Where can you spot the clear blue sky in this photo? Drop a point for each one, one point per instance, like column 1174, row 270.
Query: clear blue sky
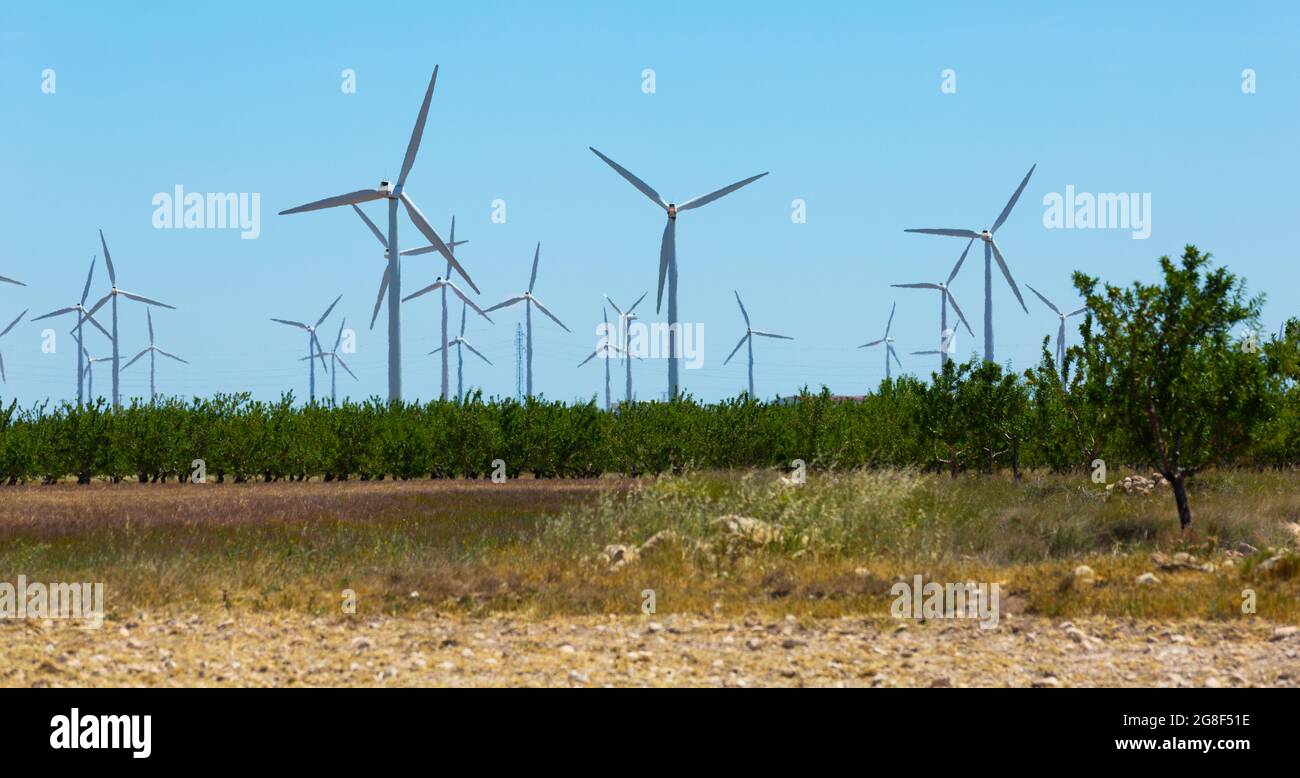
column 840, row 101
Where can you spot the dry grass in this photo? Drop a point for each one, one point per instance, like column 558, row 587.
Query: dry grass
column 530, row 547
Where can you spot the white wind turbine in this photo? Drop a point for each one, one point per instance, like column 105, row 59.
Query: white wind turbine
column 90, row 372
column 113, row 294
column 991, row 252
column 335, row 361
column 624, row 326
column 529, row 301
column 668, row 251
column 888, row 341
column 152, row 351
column 4, row 332
column 945, row 299
column 1060, row 335
column 83, row 315
column 458, row 342
column 451, row 244
column 748, row 337
column 314, row 348
column 394, row 193
column 605, row 349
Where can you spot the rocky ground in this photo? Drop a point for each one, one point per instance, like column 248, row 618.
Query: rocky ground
column 283, row 649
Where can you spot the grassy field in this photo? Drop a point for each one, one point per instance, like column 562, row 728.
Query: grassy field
column 832, row 547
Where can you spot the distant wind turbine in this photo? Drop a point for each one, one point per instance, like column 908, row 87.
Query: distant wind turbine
column 668, row 252
column 945, row 299
column 991, row 252
column 83, row 315
column 748, row 337
column 1060, row 335
column 335, row 361
column 152, row 351
column 624, row 324
column 314, row 348
column 4, row 332
column 888, row 341
column 394, row 193
column 529, row 301
column 605, row 349
column 451, row 244
column 113, row 294
column 459, row 341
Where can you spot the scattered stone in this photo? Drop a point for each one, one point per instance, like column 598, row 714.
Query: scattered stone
column 616, row 556
column 1147, row 579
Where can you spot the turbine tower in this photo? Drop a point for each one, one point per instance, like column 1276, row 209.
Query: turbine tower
column 888, row 341
column 458, row 342
column 1060, row 335
column 604, row 349
column 529, row 301
column 83, row 315
column 394, row 193
column 668, row 252
column 335, row 362
column 748, row 337
column 991, row 252
column 4, row 332
column 314, row 348
column 624, row 323
column 152, row 351
column 945, row 298
column 112, row 295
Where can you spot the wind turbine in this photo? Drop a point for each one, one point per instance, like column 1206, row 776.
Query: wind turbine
column 314, row 348
column 394, row 193
column 668, row 251
column 748, row 337
column 945, row 299
column 451, row 244
column 624, row 322
column 90, row 372
column 113, row 294
column 152, row 351
column 83, row 315
column 1060, row 335
column 606, row 348
column 991, row 252
column 8, row 280
column 4, row 332
column 459, row 341
column 335, row 361
column 888, row 341
column 529, row 301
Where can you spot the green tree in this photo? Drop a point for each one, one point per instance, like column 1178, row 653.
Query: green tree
column 1186, row 392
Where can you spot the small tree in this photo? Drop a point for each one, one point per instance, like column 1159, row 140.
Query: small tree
column 1188, row 394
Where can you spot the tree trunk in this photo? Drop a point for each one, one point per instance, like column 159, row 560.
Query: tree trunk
column 1179, row 483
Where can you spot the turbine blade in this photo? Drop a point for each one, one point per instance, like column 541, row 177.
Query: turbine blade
column 639, row 299
column 320, row 351
column 532, row 280
column 1002, row 263
column 323, row 316
column 463, row 308
column 927, row 352
column 142, row 299
column 1076, row 313
column 890, row 323
column 464, row 299
column 1046, row 301
column 743, row 312
column 373, row 228
column 667, row 256
column 1012, row 202
column 345, row 367
column 59, row 312
column 953, row 233
column 642, row 186
column 772, row 335
column 894, row 354
column 339, row 339
column 506, row 303
column 743, row 338
column 9, row 280
column 98, row 305
column 297, row 324
column 960, row 260
column 108, row 260
column 614, row 305
column 417, row 132
column 917, row 286
column 134, row 358
column 14, row 323
column 872, row 343
column 466, row 344
column 169, row 354
column 89, row 275
column 960, row 315
column 383, row 287
column 351, row 198
column 422, row 224
column 94, row 321
column 724, row 191
column 589, row 357
column 544, row 310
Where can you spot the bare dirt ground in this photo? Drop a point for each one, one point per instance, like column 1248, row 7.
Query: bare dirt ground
column 432, row 649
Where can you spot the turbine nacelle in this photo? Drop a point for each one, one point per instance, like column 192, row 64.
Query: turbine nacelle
column 388, row 190
column 672, row 211
column 986, row 236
